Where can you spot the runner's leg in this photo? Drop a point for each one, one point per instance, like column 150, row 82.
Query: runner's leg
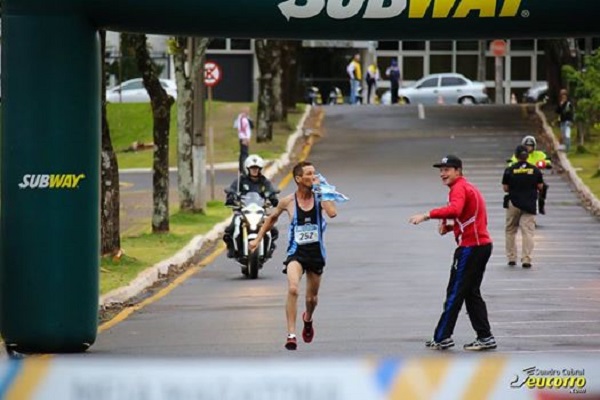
column 294, row 274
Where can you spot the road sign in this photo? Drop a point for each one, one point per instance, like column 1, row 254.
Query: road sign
column 498, row 48
column 212, row 73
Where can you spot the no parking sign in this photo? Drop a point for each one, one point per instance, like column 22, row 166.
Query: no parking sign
column 212, row 73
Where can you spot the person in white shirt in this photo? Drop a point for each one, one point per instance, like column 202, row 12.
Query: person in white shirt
column 243, row 124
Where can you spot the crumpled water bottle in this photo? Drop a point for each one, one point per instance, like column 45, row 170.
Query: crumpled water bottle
column 327, row 192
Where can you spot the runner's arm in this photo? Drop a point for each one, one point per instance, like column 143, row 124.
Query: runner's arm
column 330, row 208
column 273, row 217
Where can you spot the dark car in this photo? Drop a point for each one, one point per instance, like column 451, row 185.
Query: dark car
column 536, row 93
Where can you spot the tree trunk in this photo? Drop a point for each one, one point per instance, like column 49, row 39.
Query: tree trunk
column 264, row 120
column 289, row 62
column 110, row 236
column 161, row 114
column 481, row 61
column 185, row 180
column 199, row 123
column 277, row 72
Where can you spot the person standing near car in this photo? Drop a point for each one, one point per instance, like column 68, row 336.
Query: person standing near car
column 306, row 250
column 522, row 181
column 243, row 124
column 467, row 209
column 354, row 71
column 565, row 113
column 393, row 73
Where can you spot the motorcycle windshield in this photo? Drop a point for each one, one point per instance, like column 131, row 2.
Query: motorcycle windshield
column 253, row 198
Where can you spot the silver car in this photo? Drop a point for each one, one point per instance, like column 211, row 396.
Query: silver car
column 133, row 91
column 446, row 88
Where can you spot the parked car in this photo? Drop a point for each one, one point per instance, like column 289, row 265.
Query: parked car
column 536, row 93
column 133, row 91
column 446, row 88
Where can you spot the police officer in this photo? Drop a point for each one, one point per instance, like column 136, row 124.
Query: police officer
column 252, row 181
column 541, row 161
column 522, row 181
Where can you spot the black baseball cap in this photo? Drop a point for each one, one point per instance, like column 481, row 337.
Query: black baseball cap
column 449, row 161
column 521, row 151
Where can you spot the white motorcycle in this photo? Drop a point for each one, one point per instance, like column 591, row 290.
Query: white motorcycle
column 251, row 210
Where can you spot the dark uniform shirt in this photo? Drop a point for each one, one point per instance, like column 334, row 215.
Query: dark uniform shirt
column 523, row 179
column 262, row 185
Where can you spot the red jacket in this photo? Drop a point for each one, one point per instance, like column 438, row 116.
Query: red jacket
column 466, row 206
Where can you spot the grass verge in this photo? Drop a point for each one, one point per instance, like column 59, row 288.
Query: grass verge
column 145, row 249
column 132, row 122
column 585, row 160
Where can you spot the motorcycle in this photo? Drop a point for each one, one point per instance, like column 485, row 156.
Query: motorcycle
column 251, row 209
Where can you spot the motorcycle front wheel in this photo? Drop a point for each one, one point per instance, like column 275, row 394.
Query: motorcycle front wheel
column 253, row 265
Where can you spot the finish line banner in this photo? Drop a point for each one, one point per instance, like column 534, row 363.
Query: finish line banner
column 333, row 19
column 477, row 378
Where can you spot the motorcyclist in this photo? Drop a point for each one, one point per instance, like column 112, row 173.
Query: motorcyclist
column 540, row 160
column 251, row 181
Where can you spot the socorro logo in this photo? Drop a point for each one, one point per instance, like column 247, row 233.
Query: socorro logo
column 417, row 9
column 569, row 379
column 51, row 181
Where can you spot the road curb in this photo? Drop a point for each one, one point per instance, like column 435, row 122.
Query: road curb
column 152, row 274
column 233, row 165
column 589, row 200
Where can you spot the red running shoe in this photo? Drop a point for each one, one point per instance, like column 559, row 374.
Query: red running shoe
column 308, row 333
column 291, row 343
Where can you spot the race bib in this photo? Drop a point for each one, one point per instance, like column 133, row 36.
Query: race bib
column 305, row 234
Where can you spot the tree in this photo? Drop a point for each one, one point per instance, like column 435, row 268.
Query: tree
column 557, row 54
column 161, row 104
column 185, row 95
column 110, row 236
column 268, row 55
column 289, row 81
column 585, row 88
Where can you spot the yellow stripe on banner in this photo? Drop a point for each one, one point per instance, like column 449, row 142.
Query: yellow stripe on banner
column 483, row 381
column 420, row 379
column 34, row 371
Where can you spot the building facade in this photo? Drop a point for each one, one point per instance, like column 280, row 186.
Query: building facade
column 323, row 63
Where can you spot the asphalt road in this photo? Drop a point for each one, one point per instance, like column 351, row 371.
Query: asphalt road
column 385, row 280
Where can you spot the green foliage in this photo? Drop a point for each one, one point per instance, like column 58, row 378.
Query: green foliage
column 585, row 88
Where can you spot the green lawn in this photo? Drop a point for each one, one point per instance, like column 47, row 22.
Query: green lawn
column 146, row 249
column 130, row 123
column 587, row 162
column 588, row 166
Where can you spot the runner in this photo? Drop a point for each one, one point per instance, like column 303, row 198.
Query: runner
column 306, row 250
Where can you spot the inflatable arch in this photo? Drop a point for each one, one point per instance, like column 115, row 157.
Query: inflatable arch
column 51, row 120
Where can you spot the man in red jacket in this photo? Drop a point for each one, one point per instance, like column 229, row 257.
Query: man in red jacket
column 466, row 216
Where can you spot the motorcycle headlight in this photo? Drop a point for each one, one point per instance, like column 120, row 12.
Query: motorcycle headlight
column 253, row 220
